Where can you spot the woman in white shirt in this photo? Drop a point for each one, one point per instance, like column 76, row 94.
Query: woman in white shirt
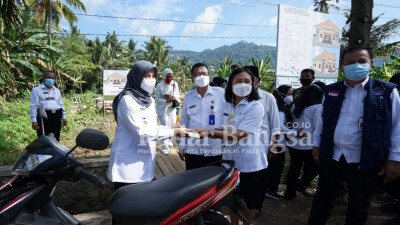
column 300, row 147
column 241, row 117
column 167, row 91
column 133, row 152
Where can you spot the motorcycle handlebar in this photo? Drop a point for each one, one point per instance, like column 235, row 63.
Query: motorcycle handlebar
column 82, row 173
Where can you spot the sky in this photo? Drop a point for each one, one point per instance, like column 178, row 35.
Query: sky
column 204, row 24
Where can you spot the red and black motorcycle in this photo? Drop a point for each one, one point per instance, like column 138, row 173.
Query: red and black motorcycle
column 182, row 198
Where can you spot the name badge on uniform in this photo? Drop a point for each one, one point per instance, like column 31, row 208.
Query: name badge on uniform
column 45, row 93
column 49, row 98
column 360, row 123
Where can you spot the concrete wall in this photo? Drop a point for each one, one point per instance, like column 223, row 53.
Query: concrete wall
column 81, row 196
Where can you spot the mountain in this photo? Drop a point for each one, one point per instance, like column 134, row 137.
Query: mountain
column 240, row 52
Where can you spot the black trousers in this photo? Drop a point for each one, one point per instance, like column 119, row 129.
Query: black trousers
column 361, row 186
column 274, row 171
column 300, row 159
column 198, row 161
column 52, row 124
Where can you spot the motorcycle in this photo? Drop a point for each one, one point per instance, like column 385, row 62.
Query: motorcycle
column 183, row 198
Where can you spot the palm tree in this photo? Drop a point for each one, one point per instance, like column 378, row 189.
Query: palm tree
column 324, row 5
column 264, row 69
column 224, row 69
column 157, row 52
column 49, row 10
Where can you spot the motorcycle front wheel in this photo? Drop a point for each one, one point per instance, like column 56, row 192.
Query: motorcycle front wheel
column 213, row 218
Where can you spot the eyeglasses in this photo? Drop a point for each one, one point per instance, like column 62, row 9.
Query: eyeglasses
column 200, row 73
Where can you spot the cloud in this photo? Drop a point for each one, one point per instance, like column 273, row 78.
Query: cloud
column 273, row 21
column 211, row 14
column 93, row 5
column 153, row 9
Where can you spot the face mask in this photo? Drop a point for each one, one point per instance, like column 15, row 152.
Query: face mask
column 148, row 85
column 202, row 81
column 288, row 99
column 357, row 71
column 305, row 81
column 242, row 89
column 168, row 80
column 49, row 82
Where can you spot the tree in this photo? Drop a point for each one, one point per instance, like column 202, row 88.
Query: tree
column 50, row 10
column 182, row 74
column 157, row 52
column 264, row 69
column 224, row 69
column 324, row 5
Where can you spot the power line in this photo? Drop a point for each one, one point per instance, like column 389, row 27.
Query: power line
column 377, row 4
column 172, row 36
column 266, row 3
column 227, row 3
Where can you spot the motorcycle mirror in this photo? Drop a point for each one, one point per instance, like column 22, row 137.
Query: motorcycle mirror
column 42, row 113
column 92, row 139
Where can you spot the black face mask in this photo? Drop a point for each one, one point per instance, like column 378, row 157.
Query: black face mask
column 305, row 81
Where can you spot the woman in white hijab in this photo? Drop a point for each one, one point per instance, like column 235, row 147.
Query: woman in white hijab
column 167, row 91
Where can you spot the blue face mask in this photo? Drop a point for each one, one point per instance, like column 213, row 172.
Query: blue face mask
column 357, row 71
column 49, row 82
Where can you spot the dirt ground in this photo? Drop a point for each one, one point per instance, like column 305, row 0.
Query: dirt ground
column 296, row 211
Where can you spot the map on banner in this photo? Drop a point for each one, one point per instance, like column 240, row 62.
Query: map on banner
column 307, row 39
column 113, row 83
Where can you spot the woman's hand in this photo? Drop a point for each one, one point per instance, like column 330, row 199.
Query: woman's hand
column 181, row 132
column 177, row 126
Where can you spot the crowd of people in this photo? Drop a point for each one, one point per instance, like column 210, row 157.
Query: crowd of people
column 346, row 133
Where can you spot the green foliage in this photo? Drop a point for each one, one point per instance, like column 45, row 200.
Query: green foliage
column 387, row 70
column 224, row 69
column 17, row 132
column 266, row 73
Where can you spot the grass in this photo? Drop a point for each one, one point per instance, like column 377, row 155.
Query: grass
column 16, row 131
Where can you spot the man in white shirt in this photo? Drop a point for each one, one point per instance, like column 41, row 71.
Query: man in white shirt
column 200, row 109
column 356, row 138
column 50, row 97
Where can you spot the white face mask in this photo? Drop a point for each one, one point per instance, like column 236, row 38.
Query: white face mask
column 242, row 89
column 202, row 81
column 148, row 85
column 288, row 99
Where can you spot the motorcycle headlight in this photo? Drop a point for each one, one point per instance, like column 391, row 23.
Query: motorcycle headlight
column 29, row 162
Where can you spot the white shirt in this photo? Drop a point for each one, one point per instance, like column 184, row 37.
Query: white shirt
column 347, row 139
column 307, row 121
column 270, row 125
column 133, row 152
column 50, row 98
column 162, row 89
column 284, row 129
column 248, row 153
column 195, row 114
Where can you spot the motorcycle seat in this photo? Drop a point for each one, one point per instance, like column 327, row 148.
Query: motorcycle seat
column 164, row 196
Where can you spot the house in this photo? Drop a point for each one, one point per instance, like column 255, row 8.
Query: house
column 116, row 78
column 325, row 62
column 327, row 32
